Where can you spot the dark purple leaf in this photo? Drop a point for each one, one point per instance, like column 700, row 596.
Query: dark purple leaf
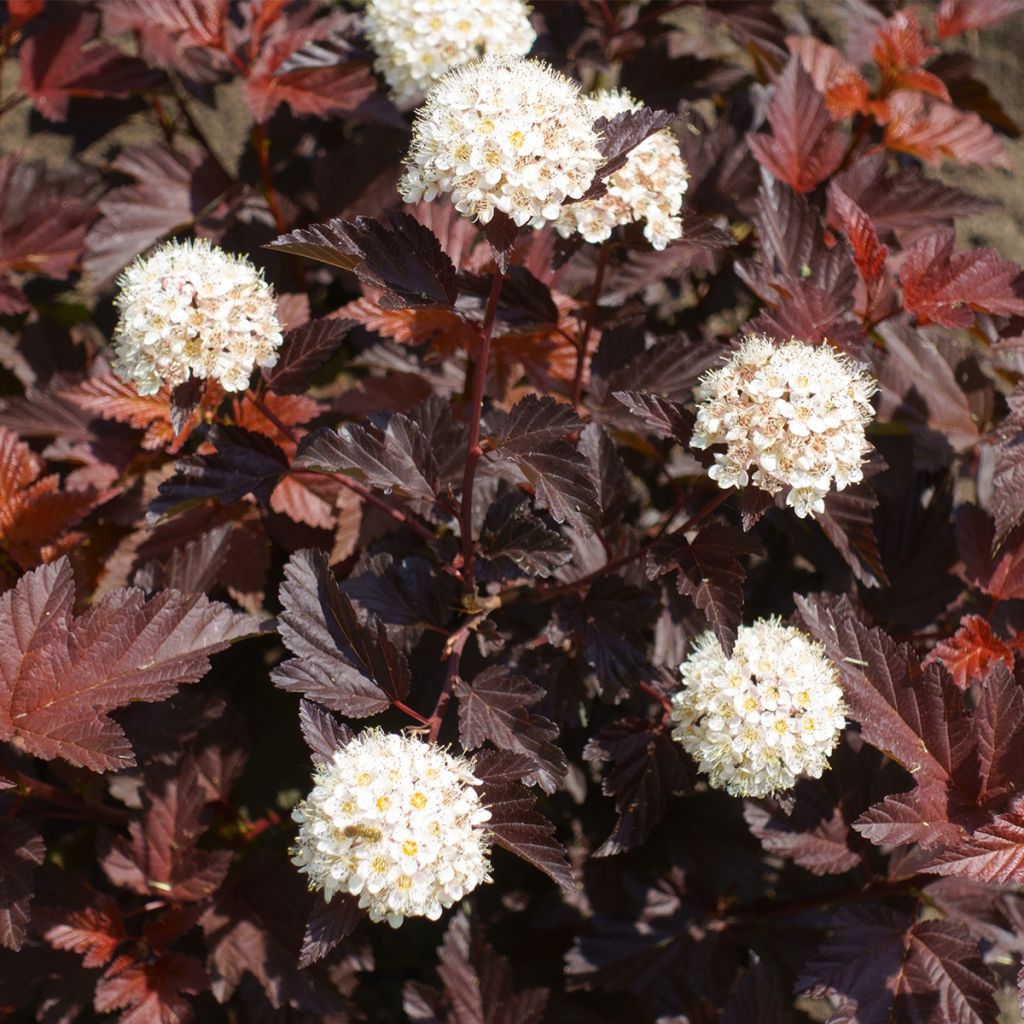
column 323, row 733
column 304, row 350
column 339, row 662
column 328, row 924
column 514, row 824
column 21, row 852
column 495, row 707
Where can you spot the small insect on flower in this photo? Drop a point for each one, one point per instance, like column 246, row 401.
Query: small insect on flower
column 794, row 413
column 189, row 308
column 757, row 720
column 397, row 822
column 504, row 134
column 417, row 41
column 649, row 187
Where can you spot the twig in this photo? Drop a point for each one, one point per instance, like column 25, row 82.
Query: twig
column 262, row 143
column 36, row 789
column 473, row 449
column 588, row 323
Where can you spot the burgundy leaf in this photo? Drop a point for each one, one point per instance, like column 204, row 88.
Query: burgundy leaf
column 339, row 662
column 328, row 924
column 646, row 768
column 495, row 707
column 804, row 147
column 161, row 858
column 57, row 63
column 63, row 675
column 619, row 136
column 515, row 542
column 243, row 463
column 172, row 192
column 21, row 852
column 93, row 931
column 1008, row 474
column 478, row 983
column 304, row 350
column 401, row 256
column 154, row 990
column 323, row 733
column 844, row 88
column 882, row 968
column 514, row 824
column 709, row 573
column 533, row 438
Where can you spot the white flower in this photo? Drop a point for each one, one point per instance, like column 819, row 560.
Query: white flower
column 757, row 720
column 190, row 307
column 648, row 187
column 395, row 821
column 794, row 414
column 417, row 41
column 503, row 134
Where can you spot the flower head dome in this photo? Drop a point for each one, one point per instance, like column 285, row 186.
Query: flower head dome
column 417, row 41
column 397, row 822
column 648, row 187
column 503, row 134
column 191, row 308
column 755, row 721
column 793, row 413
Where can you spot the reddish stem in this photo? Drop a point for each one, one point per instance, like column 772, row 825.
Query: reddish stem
column 473, row 449
column 588, row 323
column 272, row 416
column 262, row 143
column 36, row 789
column 451, row 674
column 395, row 513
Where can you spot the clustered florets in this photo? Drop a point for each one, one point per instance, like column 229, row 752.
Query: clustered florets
column 397, row 822
column 756, row 720
column 503, row 134
column 417, row 41
column 796, row 413
column 191, row 308
column 648, row 187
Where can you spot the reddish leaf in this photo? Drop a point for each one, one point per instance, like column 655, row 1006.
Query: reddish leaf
column 63, row 675
column 42, row 221
column 882, row 968
column 844, row 88
column 946, row 287
column 998, row 570
column 514, row 824
column 993, row 854
column 21, row 852
column 154, row 991
column 173, row 191
column 494, row 706
column 868, row 252
column 970, row 652
column 94, row 932
column 1008, row 475
column 804, row 147
column 478, row 983
column 646, row 768
column 339, row 662
column 900, row 53
column 956, row 16
column 709, row 573
column 161, row 858
column 935, row 131
column 57, row 63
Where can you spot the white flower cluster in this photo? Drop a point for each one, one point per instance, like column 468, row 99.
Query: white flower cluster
column 648, row 187
column 504, row 134
column 794, row 412
column 397, row 822
column 417, row 41
column 192, row 308
column 757, row 720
